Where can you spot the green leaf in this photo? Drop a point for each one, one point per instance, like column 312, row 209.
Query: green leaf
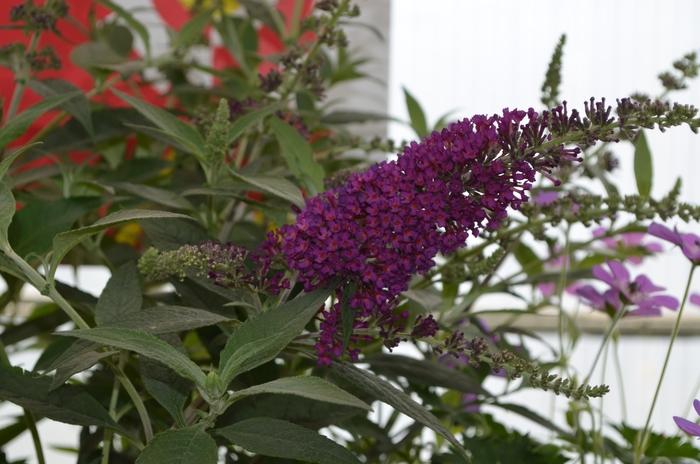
column 243, row 123
column 76, row 364
column 182, row 446
column 19, row 124
column 193, row 30
column 277, row 186
column 121, row 296
column 298, row 155
column 144, row 344
column 133, row 23
column 643, row 165
column 168, row 319
column 260, row 339
column 95, row 55
column 7, row 204
column 34, row 226
column 184, row 133
column 267, row 14
column 383, row 391
column 167, row 388
column 314, row 388
column 78, row 106
column 65, row 241
column 232, row 41
column 282, row 439
column 528, row 260
column 552, row 80
column 172, row 234
column 416, row 115
column 68, row 404
column 7, row 211
column 156, row 195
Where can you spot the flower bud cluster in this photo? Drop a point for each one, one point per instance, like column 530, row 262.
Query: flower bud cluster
column 223, row 263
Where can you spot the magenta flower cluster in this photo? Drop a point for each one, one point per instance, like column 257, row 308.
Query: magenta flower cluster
column 387, row 223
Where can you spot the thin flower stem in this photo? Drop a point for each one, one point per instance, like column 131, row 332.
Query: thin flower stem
column 109, row 434
column 620, row 378
column 561, row 283
column 598, row 437
column 613, row 325
column 138, row 402
column 643, row 437
column 36, row 439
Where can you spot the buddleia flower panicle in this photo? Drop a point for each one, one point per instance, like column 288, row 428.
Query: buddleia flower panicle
column 476, row 351
column 385, row 224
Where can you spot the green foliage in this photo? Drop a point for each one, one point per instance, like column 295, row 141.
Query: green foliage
column 282, row 439
column 181, row 446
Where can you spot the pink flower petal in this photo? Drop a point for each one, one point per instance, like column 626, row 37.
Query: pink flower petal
column 664, row 233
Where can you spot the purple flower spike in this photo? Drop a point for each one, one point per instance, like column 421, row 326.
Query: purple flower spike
column 689, row 243
column 691, row 428
column 386, row 224
column 641, row 294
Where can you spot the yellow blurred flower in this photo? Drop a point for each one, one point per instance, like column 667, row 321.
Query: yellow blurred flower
column 129, row 234
column 229, row 5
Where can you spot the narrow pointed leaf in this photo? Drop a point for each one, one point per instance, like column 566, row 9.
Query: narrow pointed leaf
column 298, row 155
column 314, row 388
column 144, row 344
column 64, row 242
column 281, row 439
column 277, row 186
column 383, row 391
column 68, row 404
column 78, row 106
column 260, row 339
column 168, row 319
column 18, row 124
column 168, row 123
column 416, row 115
column 643, row 165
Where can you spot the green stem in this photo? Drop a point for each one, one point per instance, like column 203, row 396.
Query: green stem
column 108, row 434
column 597, row 437
column 620, row 379
column 138, row 402
column 36, row 439
column 41, row 284
column 22, row 78
column 613, row 325
column 643, row 437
